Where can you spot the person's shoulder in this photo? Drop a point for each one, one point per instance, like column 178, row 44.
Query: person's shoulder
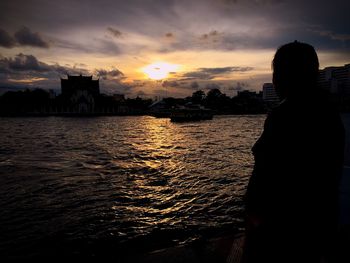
column 279, row 111
column 274, row 116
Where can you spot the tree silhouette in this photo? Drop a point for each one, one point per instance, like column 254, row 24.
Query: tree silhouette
column 198, row 97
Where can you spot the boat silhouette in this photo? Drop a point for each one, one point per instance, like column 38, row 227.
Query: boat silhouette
column 190, row 112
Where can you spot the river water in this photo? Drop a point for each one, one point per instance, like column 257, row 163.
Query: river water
column 86, row 185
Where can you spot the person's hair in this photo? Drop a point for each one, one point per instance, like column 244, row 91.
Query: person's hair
column 295, row 69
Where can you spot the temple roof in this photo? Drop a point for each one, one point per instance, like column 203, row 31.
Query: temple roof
column 79, row 77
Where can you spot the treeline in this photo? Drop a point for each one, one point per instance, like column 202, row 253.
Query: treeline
column 246, row 102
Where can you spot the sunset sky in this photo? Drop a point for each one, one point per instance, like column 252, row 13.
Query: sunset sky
column 155, row 47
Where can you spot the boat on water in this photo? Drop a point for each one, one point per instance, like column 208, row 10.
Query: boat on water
column 190, row 113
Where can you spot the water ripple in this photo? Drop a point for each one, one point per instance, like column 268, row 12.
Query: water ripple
column 134, row 179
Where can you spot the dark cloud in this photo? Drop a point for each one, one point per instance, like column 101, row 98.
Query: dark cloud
column 109, row 74
column 23, row 37
column 68, row 70
column 331, row 35
column 6, row 40
column 26, row 63
column 29, row 65
column 179, row 84
column 171, row 84
column 116, row 73
column 26, row 37
column 211, row 35
column 197, row 75
column 115, row 32
column 169, row 35
column 211, row 73
column 223, row 70
column 218, row 24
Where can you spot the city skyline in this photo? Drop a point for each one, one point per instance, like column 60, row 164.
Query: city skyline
column 148, row 48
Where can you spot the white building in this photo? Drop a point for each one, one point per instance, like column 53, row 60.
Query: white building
column 269, row 93
column 336, row 80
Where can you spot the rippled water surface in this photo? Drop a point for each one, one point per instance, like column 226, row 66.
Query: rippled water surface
column 67, row 181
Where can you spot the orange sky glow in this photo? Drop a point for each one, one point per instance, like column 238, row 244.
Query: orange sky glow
column 141, row 48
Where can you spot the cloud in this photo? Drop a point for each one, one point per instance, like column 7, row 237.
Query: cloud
column 26, row 37
column 169, row 35
column 23, row 37
column 27, row 70
column 197, row 75
column 222, row 25
column 109, row 74
column 114, row 32
column 331, row 35
column 170, row 84
column 21, row 63
column 211, row 35
column 223, row 70
column 6, row 40
column 68, row 70
column 211, row 73
column 29, row 65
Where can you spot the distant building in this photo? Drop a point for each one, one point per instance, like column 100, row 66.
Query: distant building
column 80, row 93
column 336, row 80
column 269, row 93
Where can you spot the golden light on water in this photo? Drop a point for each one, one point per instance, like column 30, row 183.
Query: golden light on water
column 159, row 70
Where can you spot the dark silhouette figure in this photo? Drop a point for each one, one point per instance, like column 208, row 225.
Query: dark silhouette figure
column 292, row 195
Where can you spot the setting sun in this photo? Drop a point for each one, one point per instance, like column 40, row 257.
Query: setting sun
column 159, row 70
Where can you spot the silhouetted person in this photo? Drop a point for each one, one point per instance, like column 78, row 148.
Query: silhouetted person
column 292, row 195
